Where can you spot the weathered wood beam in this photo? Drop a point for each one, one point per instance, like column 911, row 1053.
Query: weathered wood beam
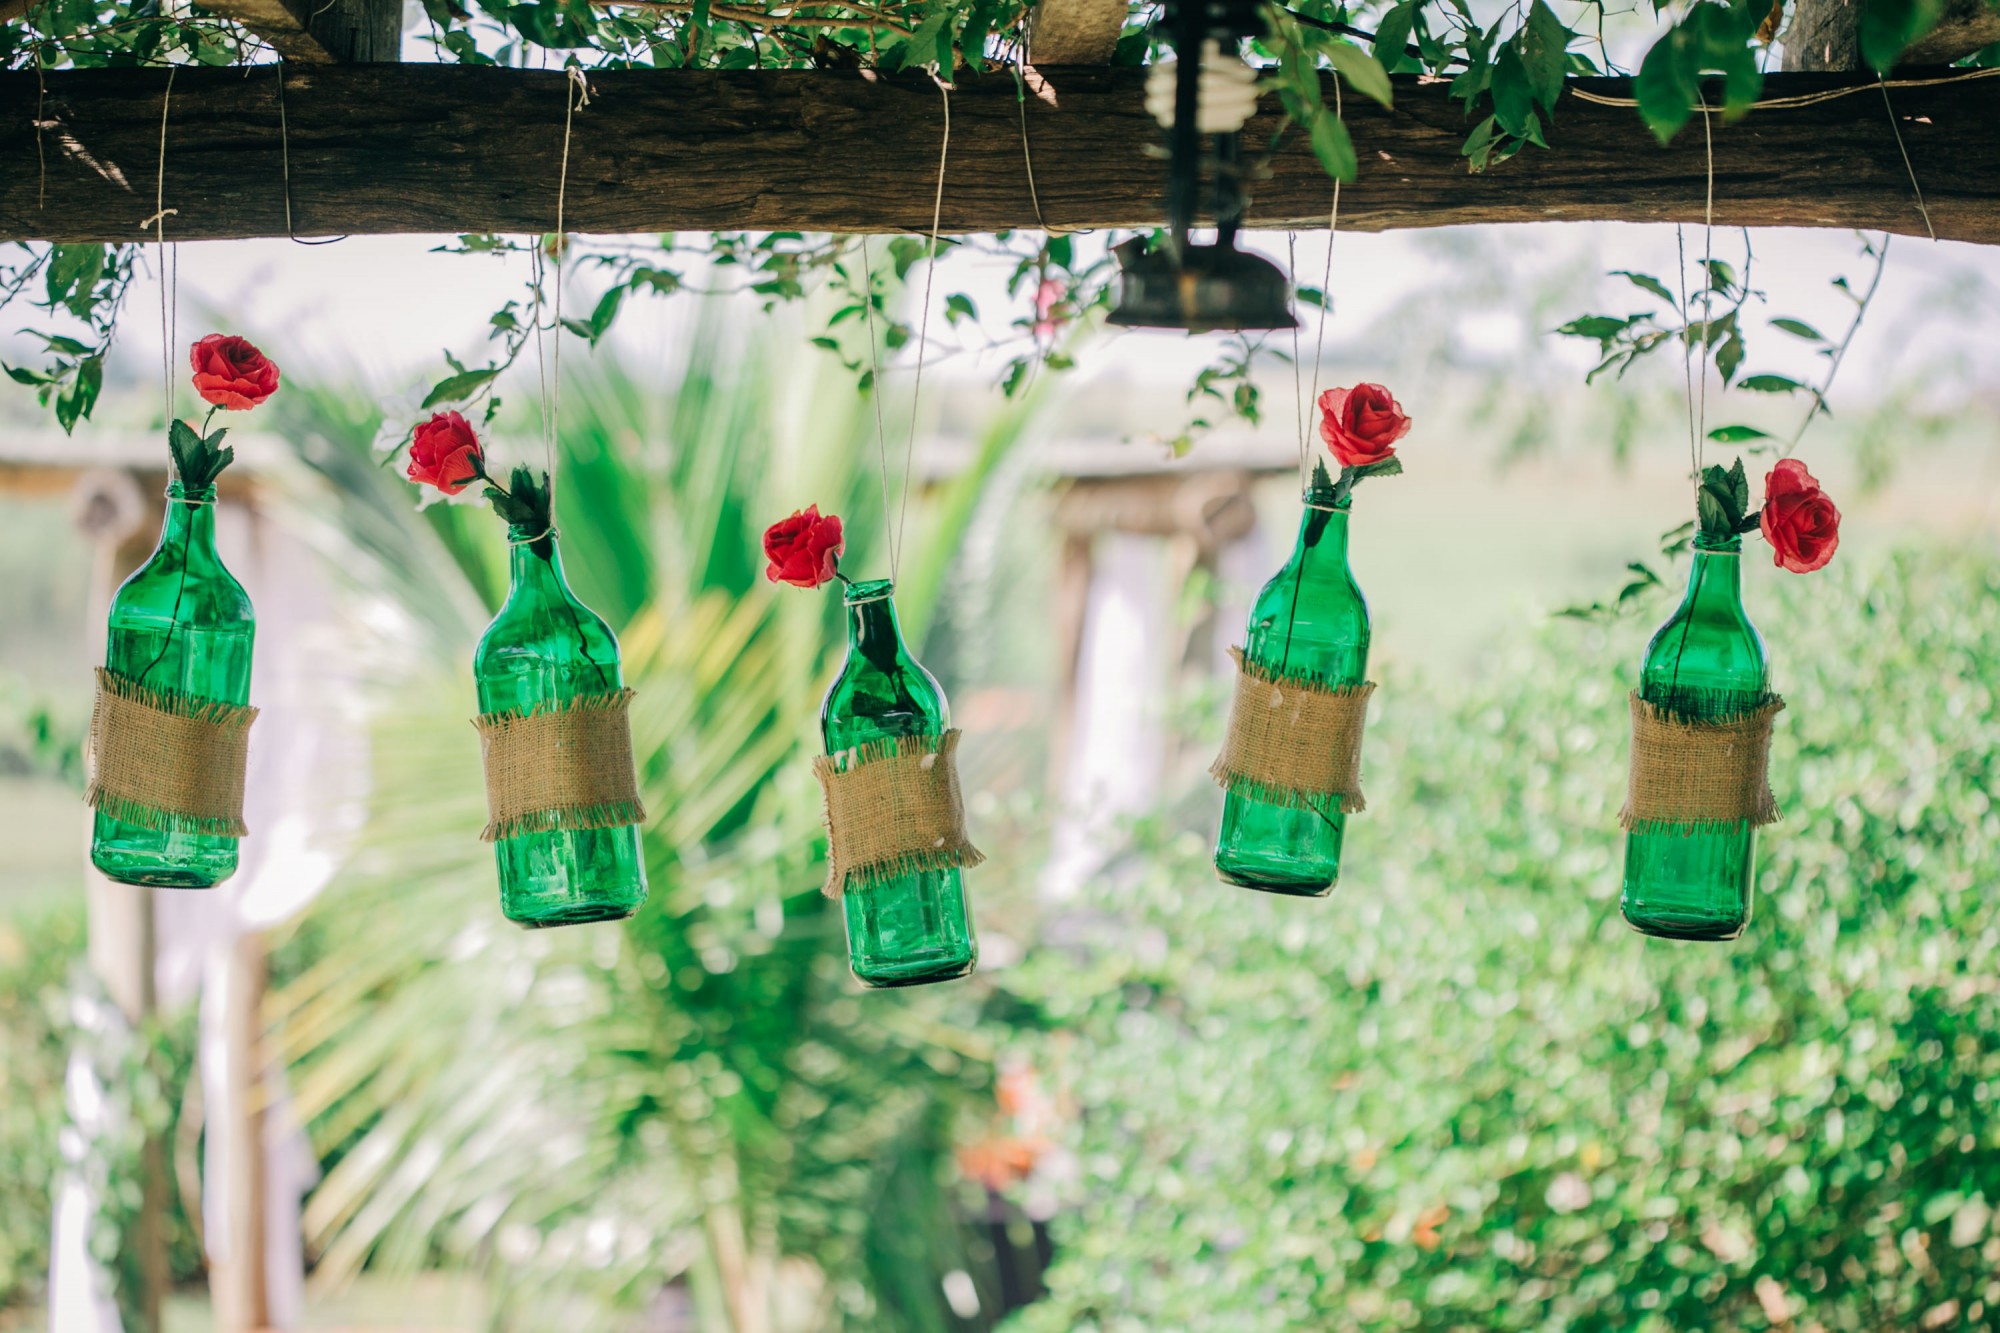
column 1075, row 32
column 409, row 148
column 320, row 32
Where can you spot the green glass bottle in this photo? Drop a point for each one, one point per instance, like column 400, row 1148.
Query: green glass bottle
column 1309, row 621
column 1707, row 661
column 181, row 623
column 545, row 648
column 908, row 929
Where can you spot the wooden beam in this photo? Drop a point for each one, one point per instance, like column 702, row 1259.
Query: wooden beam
column 429, row 149
column 1075, row 32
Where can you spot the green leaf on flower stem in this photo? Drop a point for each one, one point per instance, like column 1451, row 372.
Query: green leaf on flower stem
column 1737, row 434
column 198, row 461
column 1646, row 282
column 1771, row 384
column 1798, row 329
column 456, row 388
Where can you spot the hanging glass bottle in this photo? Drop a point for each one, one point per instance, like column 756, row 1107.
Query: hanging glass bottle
column 1705, row 665
column 912, row 927
column 1309, row 623
column 179, row 638
column 545, row 652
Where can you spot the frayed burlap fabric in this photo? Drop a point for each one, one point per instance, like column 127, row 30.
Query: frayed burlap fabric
column 166, row 760
column 892, row 807
column 1292, row 742
column 1690, row 775
column 568, row 767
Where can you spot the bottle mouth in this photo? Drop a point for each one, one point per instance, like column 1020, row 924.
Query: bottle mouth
column 1731, row 545
column 869, row 590
column 193, row 495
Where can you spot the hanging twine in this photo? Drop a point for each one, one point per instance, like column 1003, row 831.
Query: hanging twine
column 893, row 807
column 1294, row 742
column 1699, row 775
column 165, row 760
column 566, row 767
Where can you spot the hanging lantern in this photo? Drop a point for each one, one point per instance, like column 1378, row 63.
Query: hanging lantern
column 897, row 847
column 1204, row 94
column 1703, row 714
column 562, row 795
column 170, row 730
column 1291, row 761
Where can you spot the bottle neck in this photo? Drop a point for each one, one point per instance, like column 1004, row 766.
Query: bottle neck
column 872, row 631
column 190, row 520
column 535, row 562
column 1715, row 583
column 1322, row 543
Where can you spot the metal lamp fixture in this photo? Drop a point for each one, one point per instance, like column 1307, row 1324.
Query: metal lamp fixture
column 1203, row 93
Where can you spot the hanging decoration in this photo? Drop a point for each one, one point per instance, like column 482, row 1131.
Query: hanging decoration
column 1703, row 714
column 169, row 733
column 1291, row 760
column 897, row 845
column 1207, row 93
column 562, row 794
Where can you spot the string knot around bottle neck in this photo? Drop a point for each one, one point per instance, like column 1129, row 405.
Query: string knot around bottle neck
column 550, row 533
column 871, row 590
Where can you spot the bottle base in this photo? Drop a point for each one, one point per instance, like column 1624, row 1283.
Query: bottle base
column 1272, row 881
column 574, row 914
column 1701, row 929
column 896, row 976
column 152, row 874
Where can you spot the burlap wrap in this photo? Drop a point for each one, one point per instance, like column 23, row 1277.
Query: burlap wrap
column 1292, row 742
column 892, row 807
column 166, row 760
column 560, row 768
column 1692, row 774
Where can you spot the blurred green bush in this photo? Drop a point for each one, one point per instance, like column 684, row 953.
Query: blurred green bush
column 37, row 950
column 1462, row 1095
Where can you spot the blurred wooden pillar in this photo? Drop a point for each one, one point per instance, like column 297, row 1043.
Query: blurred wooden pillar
column 237, row 1261
column 1198, row 513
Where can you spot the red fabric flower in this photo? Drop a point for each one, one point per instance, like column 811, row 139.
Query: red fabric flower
column 1798, row 520
column 230, row 372
column 446, row 454
column 1361, row 425
column 803, row 549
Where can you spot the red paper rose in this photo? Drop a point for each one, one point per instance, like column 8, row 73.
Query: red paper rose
column 803, row 549
column 1798, row 520
column 1361, row 425
column 230, row 372
column 446, row 454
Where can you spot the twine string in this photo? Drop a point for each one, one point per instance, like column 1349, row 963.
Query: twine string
column 923, row 335
column 875, row 387
column 1325, row 296
column 1897, row 130
column 285, row 160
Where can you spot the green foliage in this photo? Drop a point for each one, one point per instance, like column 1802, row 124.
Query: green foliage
column 1889, row 26
column 36, row 954
column 83, row 285
column 1461, row 1094
column 1711, row 38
